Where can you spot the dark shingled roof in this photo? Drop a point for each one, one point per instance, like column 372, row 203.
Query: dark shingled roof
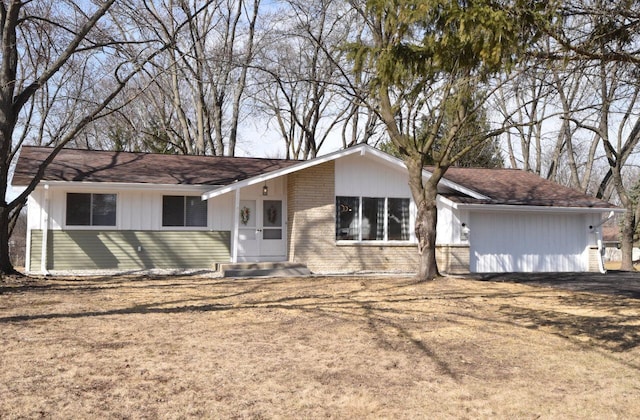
column 502, row 186
column 517, row 187
column 146, row 168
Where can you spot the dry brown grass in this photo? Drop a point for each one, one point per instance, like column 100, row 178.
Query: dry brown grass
column 615, row 265
column 337, row 347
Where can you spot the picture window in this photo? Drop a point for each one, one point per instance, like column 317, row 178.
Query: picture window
column 372, row 219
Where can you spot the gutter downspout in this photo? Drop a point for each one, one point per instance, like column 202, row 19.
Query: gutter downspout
column 600, row 254
column 598, row 234
column 45, row 232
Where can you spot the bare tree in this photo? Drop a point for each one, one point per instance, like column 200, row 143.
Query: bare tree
column 618, row 129
column 540, row 103
column 603, row 37
column 195, row 91
column 61, row 68
column 300, row 86
column 524, row 101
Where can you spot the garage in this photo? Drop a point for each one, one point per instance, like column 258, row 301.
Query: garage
column 528, row 242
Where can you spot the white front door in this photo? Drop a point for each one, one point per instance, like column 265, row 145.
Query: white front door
column 261, row 234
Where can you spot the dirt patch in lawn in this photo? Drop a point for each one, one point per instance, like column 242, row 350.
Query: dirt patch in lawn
column 336, row 347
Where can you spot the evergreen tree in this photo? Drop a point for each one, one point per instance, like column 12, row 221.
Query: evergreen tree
column 433, row 61
column 486, row 154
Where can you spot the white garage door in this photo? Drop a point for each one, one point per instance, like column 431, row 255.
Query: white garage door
column 531, row 242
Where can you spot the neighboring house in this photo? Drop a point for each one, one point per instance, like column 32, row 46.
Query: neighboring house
column 612, row 243
column 348, row 211
column 611, row 236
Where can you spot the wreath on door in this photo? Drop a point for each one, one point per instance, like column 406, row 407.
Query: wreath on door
column 272, row 214
column 245, row 214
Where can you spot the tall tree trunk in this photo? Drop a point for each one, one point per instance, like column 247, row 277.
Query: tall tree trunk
column 242, row 80
column 425, row 194
column 627, row 231
column 6, row 267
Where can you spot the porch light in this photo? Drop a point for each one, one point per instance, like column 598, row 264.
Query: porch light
column 265, row 189
column 464, row 232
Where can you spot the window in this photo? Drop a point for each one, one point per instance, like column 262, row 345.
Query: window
column 347, row 219
column 372, row 219
column 398, row 219
column 272, row 219
column 179, row 210
column 372, row 224
column 84, row 209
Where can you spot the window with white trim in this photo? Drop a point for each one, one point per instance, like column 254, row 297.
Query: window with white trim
column 180, row 210
column 372, row 219
column 87, row 209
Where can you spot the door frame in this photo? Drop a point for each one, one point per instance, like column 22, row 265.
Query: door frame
column 237, row 255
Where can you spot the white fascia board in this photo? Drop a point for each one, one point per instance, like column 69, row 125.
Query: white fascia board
column 464, row 190
column 124, row 186
column 397, row 162
column 446, row 201
column 362, row 149
column 523, row 208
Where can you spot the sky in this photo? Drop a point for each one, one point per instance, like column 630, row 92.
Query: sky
column 259, row 140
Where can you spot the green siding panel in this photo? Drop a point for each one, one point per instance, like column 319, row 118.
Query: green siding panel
column 35, row 250
column 130, row 250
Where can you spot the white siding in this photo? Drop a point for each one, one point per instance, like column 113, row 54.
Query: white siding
column 220, row 212
column 449, row 224
column 57, row 206
column 34, row 209
column 529, row 242
column 450, row 220
column 360, row 176
column 444, row 227
column 138, row 209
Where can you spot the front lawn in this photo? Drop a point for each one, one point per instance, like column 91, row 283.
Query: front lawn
column 336, row 347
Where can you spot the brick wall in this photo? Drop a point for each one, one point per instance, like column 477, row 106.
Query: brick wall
column 453, row 259
column 311, row 229
column 309, row 203
column 593, row 259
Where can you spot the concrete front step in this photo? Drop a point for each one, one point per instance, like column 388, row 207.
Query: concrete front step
column 264, row 269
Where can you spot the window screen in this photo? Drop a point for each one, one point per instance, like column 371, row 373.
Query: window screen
column 196, row 211
column 398, row 222
column 86, row 209
column 179, row 210
column 347, row 223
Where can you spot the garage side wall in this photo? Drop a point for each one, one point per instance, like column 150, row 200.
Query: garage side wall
column 529, row 242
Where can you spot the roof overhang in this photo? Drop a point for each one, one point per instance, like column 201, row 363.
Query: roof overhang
column 123, row 186
column 524, row 208
column 361, row 149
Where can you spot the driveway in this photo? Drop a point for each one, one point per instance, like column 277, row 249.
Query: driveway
column 617, row 283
